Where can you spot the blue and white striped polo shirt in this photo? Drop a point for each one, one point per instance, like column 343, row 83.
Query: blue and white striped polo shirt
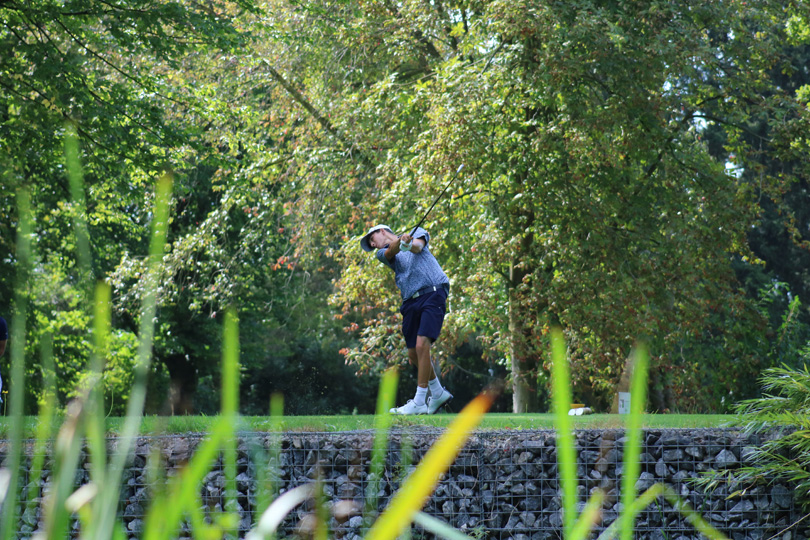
column 414, row 271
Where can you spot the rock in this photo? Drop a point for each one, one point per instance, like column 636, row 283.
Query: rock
column 694, row 451
column 726, row 459
column 346, row 509
column 742, row 506
column 133, row 510
column 466, row 481
column 781, row 496
column 243, row 482
column 528, row 519
column 747, row 454
column 644, row 482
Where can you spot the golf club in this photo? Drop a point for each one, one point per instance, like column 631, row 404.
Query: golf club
column 437, row 199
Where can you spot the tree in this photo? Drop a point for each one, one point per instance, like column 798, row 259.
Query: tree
column 590, row 199
column 102, row 69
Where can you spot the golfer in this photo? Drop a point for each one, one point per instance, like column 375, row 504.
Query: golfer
column 424, row 288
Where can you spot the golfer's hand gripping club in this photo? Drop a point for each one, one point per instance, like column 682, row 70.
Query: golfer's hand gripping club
column 405, row 242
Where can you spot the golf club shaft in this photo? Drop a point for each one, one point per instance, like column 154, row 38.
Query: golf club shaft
column 437, row 199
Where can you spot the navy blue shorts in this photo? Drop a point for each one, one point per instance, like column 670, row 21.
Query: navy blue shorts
column 423, row 316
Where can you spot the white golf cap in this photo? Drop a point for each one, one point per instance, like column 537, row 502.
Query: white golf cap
column 364, row 241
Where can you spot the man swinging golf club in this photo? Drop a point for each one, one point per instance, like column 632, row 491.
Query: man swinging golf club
column 424, row 287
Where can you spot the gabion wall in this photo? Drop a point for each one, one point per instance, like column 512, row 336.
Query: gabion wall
column 502, row 485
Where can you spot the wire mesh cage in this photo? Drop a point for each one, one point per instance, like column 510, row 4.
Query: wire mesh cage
column 503, row 484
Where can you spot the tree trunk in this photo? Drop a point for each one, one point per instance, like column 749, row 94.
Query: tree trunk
column 524, row 364
column 183, row 384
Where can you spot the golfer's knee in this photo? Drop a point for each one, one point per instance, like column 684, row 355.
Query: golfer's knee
column 422, row 344
column 413, row 357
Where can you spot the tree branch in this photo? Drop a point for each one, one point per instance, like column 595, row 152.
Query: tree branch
column 304, row 102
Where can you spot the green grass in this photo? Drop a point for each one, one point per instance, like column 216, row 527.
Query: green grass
column 491, row 422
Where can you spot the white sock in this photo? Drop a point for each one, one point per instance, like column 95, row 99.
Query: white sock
column 421, row 394
column 435, row 387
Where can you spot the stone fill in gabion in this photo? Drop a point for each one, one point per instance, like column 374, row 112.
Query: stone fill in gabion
column 503, row 484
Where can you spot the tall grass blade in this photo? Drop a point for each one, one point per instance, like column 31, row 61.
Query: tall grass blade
column 131, row 427
column 44, row 421
column 79, row 205
column 566, row 445
column 67, row 451
column 166, row 511
column 632, row 448
column 412, row 495
column 104, row 513
column 230, row 406
column 274, row 516
column 405, row 462
column 267, row 477
column 17, row 375
column 321, row 531
column 382, row 425
column 589, row 517
column 650, row 496
column 438, row 527
column 196, row 517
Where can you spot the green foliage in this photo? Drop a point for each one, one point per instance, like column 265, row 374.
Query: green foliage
column 619, row 164
column 780, row 416
column 590, row 198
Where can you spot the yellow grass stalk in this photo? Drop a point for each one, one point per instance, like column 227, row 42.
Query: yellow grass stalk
column 414, row 493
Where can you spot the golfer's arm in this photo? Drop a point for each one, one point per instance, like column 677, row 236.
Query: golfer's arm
column 393, row 248
column 2, row 347
column 391, row 252
column 417, row 246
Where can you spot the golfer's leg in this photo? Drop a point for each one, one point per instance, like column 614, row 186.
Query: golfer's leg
column 413, row 358
column 425, row 371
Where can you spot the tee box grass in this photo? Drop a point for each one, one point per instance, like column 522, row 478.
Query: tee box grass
column 491, row 422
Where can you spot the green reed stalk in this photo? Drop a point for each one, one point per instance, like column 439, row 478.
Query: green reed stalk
column 415, row 491
column 321, row 512
column 230, row 405
column 17, row 378
column 104, row 514
column 650, row 496
column 132, row 423
column 632, row 448
column 566, row 444
column 79, row 207
column 405, row 462
column 589, row 516
column 44, row 422
column 67, row 452
column 182, row 496
column 100, row 521
column 438, row 527
column 166, row 512
column 382, row 426
column 267, row 477
column 268, row 462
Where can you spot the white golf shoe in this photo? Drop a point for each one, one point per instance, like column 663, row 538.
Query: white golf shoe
column 434, row 404
column 410, row 408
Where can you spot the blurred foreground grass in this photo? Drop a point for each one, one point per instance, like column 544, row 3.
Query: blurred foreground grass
column 178, row 499
column 161, row 425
